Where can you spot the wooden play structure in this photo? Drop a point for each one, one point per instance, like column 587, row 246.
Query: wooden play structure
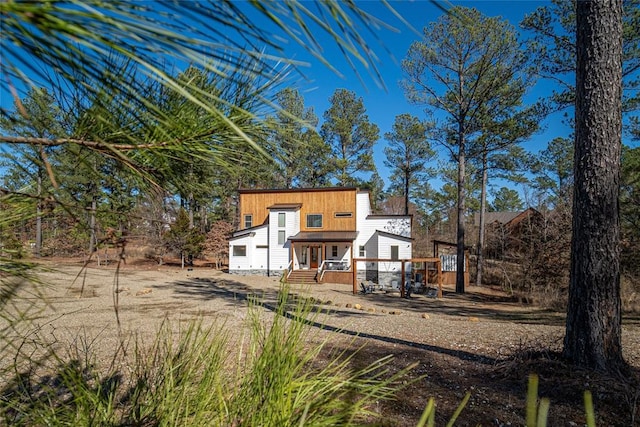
column 425, row 273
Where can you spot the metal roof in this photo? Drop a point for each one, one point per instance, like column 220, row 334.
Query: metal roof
column 324, row 236
column 285, row 206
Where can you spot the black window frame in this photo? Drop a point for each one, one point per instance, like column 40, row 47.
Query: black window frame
column 312, row 216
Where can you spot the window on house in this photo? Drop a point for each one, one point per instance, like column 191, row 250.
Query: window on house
column 394, row 252
column 314, row 220
column 239, row 250
column 343, row 214
column 281, row 219
column 281, row 237
column 361, row 252
column 248, row 221
column 334, row 251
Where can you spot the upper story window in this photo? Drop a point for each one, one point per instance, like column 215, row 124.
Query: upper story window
column 248, row 221
column 343, row 214
column 361, row 253
column 282, row 219
column 314, row 220
column 334, row 251
column 282, row 237
column 394, row 252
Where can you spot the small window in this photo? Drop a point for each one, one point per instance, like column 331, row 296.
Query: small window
column 248, row 221
column 240, row 250
column 334, row 251
column 394, row 252
column 262, row 246
column 361, row 252
column 281, row 237
column 344, row 214
column 314, row 220
column 281, row 219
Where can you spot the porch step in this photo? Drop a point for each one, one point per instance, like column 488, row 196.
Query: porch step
column 302, row 276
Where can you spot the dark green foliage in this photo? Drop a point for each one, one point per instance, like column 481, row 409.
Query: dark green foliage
column 182, row 239
column 552, row 47
column 303, row 158
column 506, row 200
column 408, row 154
column 471, row 68
column 351, row 135
column 630, row 211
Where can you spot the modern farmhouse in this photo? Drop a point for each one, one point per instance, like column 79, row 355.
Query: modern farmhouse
column 317, row 233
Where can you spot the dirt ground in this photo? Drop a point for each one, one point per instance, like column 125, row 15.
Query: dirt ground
column 483, row 341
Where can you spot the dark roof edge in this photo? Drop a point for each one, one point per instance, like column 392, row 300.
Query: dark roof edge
column 386, row 233
column 285, row 206
column 296, row 190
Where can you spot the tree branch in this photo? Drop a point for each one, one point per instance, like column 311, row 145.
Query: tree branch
column 92, row 144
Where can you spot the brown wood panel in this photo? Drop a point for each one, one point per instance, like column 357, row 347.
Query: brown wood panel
column 342, row 277
column 327, row 202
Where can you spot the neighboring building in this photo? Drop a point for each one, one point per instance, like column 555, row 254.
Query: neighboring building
column 509, row 233
column 316, row 233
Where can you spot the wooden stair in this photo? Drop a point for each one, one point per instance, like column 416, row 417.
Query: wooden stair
column 302, row 276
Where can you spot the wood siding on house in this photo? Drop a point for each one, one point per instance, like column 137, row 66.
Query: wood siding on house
column 323, row 201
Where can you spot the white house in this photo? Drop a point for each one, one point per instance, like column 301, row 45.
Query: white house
column 315, row 234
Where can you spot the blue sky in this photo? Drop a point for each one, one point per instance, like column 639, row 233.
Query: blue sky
column 383, row 106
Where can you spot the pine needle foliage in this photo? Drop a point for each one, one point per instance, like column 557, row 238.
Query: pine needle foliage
column 190, row 377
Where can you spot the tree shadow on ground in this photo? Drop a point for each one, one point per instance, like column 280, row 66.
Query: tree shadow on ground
column 236, row 292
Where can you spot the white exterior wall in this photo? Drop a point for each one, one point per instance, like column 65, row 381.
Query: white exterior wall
column 366, row 233
column 384, row 248
column 279, row 254
column 256, row 258
column 344, row 252
column 373, row 244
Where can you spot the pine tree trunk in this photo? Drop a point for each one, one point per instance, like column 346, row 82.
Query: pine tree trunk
column 483, row 208
column 461, row 208
column 38, row 248
column 92, row 226
column 406, row 194
column 593, row 328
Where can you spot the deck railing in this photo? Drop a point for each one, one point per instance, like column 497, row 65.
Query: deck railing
column 289, row 269
column 331, row 265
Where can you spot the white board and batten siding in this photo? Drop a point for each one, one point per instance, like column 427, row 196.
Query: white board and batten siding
column 385, row 242
column 366, row 237
column 255, row 243
column 279, row 253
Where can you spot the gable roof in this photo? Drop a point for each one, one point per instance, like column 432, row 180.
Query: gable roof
column 504, row 218
column 499, row 217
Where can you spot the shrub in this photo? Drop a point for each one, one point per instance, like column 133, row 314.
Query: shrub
column 274, row 380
